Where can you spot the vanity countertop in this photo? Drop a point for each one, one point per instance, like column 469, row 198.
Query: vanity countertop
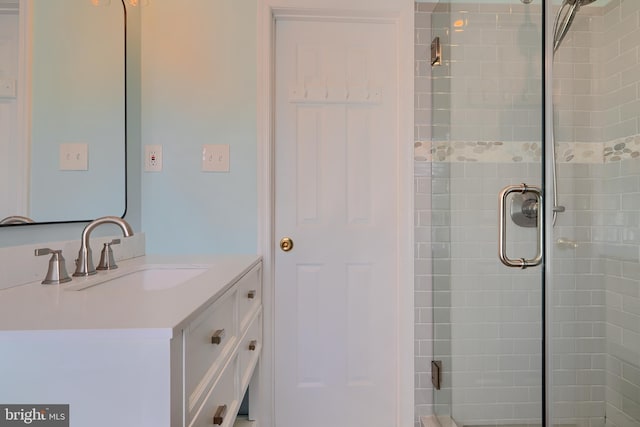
column 131, row 306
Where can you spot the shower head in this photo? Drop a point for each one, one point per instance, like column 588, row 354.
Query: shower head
column 581, row 2
column 564, row 19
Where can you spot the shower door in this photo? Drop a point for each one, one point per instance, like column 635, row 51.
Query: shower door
column 486, row 134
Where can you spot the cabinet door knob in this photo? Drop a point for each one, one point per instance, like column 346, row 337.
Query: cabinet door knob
column 252, row 345
column 217, row 336
column 218, row 418
column 251, row 294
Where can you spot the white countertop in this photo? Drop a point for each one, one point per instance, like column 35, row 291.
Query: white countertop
column 115, row 307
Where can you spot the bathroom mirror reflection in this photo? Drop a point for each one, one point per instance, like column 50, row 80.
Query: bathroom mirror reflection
column 62, row 110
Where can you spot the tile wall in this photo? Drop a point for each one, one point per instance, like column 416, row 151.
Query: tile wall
column 617, row 231
column 423, row 216
column 484, row 135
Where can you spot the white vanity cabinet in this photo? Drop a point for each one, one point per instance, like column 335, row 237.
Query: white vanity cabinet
column 221, row 350
column 137, row 355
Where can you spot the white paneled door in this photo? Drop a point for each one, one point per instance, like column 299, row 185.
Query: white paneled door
column 336, row 198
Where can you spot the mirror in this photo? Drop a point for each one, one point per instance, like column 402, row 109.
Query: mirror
column 62, row 110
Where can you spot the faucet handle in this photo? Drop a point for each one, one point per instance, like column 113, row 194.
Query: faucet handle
column 57, row 272
column 43, row 251
column 107, row 261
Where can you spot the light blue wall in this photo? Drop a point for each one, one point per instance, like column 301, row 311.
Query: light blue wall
column 199, row 87
column 77, row 97
column 191, row 81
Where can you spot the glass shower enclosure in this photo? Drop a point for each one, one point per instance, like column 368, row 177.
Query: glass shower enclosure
column 557, row 343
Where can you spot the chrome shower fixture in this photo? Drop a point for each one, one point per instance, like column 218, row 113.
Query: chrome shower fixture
column 561, row 26
column 564, row 19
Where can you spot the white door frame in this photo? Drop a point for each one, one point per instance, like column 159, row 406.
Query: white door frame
column 400, row 12
column 25, row 54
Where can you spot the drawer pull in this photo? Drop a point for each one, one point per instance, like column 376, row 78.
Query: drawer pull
column 252, row 345
column 251, row 294
column 217, row 336
column 218, row 418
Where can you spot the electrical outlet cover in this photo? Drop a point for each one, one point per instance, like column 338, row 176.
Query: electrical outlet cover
column 153, row 158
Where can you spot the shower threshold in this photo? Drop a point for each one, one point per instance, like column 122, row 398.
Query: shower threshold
column 447, row 421
column 438, row 421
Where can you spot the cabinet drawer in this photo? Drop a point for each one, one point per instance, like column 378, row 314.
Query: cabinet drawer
column 249, row 295
column 249, row 350
column 208, row 341
column 223, row 394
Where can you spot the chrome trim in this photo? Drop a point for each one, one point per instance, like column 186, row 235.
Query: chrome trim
column 502, row 228
column 84, row 263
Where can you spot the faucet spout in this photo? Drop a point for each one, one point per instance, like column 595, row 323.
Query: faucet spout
column 16, row 219
column 84, row 263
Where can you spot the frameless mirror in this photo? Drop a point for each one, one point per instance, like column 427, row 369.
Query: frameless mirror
column 62, row 110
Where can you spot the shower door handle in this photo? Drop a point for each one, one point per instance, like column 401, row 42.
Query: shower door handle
column 502, row 229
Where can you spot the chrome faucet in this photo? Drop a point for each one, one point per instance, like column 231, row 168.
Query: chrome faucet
column 16, row 219
column 84, row 263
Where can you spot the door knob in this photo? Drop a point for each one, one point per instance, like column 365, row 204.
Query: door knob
column 286, row 244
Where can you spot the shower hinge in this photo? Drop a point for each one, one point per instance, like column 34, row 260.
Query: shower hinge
column 436, row 373
column 436, row 52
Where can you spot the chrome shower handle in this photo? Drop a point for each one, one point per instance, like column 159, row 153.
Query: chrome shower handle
column 502, row 229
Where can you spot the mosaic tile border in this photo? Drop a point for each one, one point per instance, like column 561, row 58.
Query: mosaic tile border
column 526, row 152
column 622, row 149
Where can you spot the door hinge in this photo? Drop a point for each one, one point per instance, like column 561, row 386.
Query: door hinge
column 436, row 373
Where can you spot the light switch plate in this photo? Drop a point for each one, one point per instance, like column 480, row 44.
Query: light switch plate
column 74, row 157
column 215, row 158
column 7, row 88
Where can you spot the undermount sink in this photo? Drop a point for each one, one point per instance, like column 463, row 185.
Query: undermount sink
column 151, row 277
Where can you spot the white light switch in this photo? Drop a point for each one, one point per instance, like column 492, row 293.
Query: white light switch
column 74, row 157
column 215, row 158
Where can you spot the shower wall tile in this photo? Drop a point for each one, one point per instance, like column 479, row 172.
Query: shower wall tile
column 623, row 340
column 423, row 258
column 620, row 45
column 479, row 96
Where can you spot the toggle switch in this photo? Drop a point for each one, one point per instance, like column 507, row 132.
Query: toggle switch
column 74, row 157
column 215, row 158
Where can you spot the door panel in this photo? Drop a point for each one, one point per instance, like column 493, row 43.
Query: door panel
column 486, row 135
column 336, row 197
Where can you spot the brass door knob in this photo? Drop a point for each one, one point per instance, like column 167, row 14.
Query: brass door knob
column 286, row 244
